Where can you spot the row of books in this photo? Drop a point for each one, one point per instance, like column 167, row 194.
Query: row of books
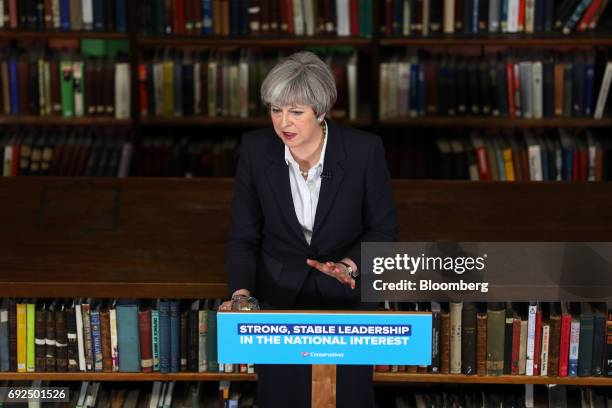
column 257, row 17
column 554, row 396
column 177, row 83
column 515, row 338
column 65, row 15
column 556, row 155
column 158, row 394
column 502, row 85
column 103, row 152
column 64, row 84
column 430, row 17
column 124, row 335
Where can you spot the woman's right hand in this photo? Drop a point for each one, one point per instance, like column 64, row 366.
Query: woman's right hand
column 227, row 305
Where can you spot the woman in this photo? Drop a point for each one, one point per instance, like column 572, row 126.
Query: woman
column 308, row 192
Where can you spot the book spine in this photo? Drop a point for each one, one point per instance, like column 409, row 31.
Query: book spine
column 96, row 341
column 531, row 338
column 155, row 338
column 574, row 344
column 114, row 339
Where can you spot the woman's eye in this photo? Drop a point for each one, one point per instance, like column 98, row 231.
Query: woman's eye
column 275, row 110
column 297, row 113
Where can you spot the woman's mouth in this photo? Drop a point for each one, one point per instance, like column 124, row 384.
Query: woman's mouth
column 289, row 135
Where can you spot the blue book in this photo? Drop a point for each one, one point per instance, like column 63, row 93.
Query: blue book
column 65, row 15
column 14, row 80
column 207, row 17
column 127, row 336
column 589, row 78
column 544, row 160
column 585, row 345
column 175, row 336
column 475, row 16
column 421, row 91
column 549, row 90
column 94, row 316
column 503, row 15
column 155, row 338
column 98, row 14
column 568, row 164
column 234, row 18
column 539, row 16
column 414, row 90
column 120, row 16
column 578, row 89
column 4, row 336
column 164, row 336
column 178, row 87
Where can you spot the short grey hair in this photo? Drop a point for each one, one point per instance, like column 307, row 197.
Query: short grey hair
column 301, row 78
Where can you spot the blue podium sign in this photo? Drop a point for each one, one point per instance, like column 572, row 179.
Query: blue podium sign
column 324, row 338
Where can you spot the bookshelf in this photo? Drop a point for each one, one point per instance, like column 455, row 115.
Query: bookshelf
column 165, row 232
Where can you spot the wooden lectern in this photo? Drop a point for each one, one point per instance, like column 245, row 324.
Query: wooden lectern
column 323, row 386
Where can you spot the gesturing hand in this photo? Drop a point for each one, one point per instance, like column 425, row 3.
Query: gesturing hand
column 335, row 270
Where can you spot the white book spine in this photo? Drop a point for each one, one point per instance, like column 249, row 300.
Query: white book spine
column 455, row 336
column 545, row 348
column 538, row 90
column 342, row 18
column 55, row 14
column 449, row 16
column 406, row 18
column 298, row 17
column 603, row 92
column 158, row 87
column 234, row 84
column 384, row 90
column 404, row 88
column 529, row 16
column 80, row 342
column 425, row 22
column 41, row 87
column 393, row 89
column 309, row 17
column 531, row 323
column 87, row 12
column 122, row 90
column 535, row 162
column 2, row 13
column 153, row 401
column 212, row 89
column 513, row 16
column 112, row 313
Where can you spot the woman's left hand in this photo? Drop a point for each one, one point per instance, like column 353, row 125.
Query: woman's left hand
column 335, row 270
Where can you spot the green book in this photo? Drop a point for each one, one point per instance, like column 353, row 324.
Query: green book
column 155, row 338
column 67, row 88
column 30, row 340
column 213, row 364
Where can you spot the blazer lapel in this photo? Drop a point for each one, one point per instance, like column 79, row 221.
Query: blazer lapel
column 278, row 180
column 333, row 174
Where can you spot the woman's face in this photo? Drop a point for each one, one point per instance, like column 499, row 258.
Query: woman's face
column 296, row 125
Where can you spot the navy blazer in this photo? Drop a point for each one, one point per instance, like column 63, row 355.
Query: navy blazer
column 267, row 250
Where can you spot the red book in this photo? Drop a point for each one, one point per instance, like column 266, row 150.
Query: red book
column 282, row 18
column 146, row 352
column 382, row 368
column 521, row 16
column 142, row 88
column 583, row 168
column 388, row 17
column 483, row 163
column 510, row 84
column 516, row 337
column 566, row 321
column 538, row 343
column 13, row 14
column 179, row 17
column 354, row 17
column 589, row 15
column 290, row 23
column 575, row 166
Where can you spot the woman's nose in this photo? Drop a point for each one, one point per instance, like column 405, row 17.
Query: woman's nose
column 285, row 119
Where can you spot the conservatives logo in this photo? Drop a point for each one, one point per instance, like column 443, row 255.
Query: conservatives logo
column 305, row 354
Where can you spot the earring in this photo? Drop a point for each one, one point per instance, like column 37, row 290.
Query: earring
column 320, row 119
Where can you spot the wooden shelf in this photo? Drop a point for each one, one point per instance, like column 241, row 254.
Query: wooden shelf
column 380, row 378
column 363, row 121
column 513, row 40
column 62, row 121
column 79, row 376
column 470, row 121
column 274, row 42
column 46, row 35
column 394, row 378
